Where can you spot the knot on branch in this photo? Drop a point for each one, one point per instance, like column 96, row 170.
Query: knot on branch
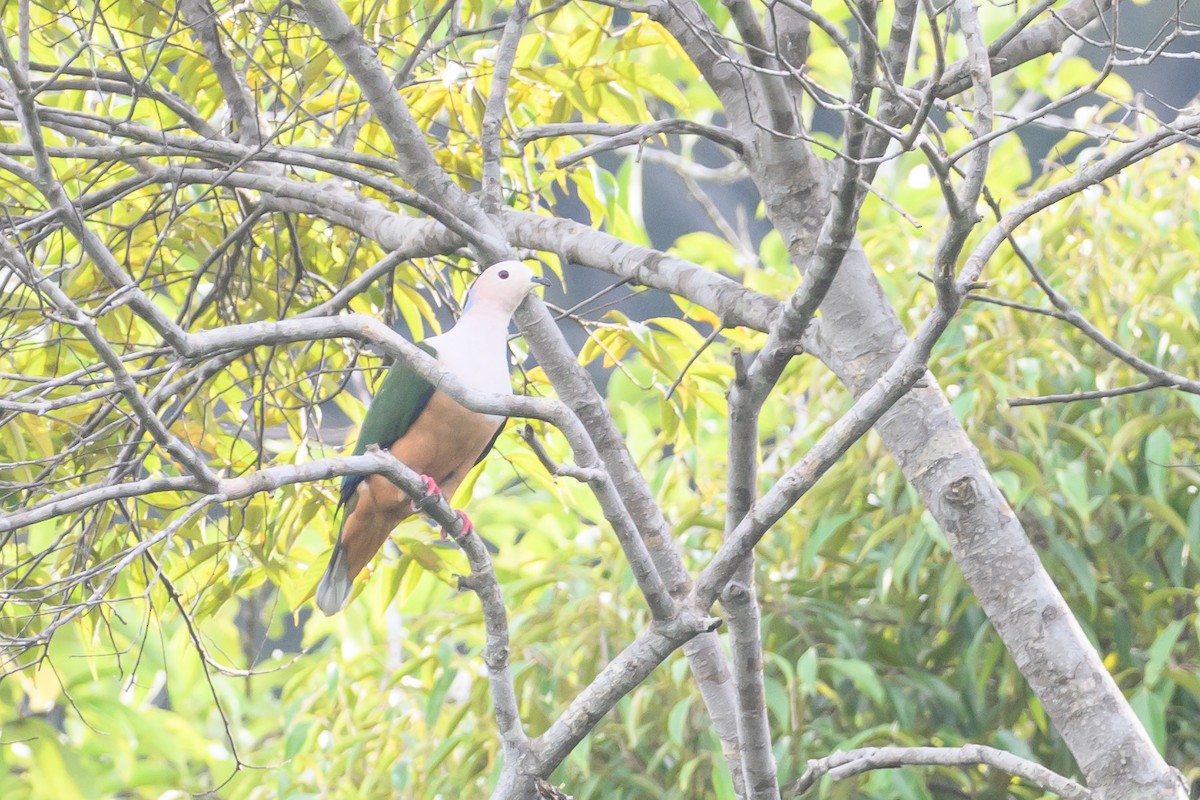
column 496, row 656
column 469, row 583
column 962, row 493
column 735, row 594
column 548, row 791
column 686, row 625
column 739, row 368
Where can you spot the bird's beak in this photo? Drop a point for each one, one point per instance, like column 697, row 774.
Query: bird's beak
column 540, row 281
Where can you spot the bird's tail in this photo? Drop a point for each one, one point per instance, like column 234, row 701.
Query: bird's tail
column 333, row 592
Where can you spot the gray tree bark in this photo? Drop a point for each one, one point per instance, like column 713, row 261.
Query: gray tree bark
column 859, row 336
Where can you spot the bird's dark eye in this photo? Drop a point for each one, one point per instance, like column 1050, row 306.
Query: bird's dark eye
column 503, row 274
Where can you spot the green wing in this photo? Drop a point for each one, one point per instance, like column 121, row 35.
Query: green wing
column 401, row 398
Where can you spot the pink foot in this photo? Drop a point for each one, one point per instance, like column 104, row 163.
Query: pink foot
column 432, row 493
column 431, row 486
column 467, row 526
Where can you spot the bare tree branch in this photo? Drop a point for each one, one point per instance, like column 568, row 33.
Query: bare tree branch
column 1068, row 313
column 144, row 395
column 420, row 167
column 1024, row 42
column 1078, row 397
column 203, row 21
column 482, row 581
column 628, row 134
column 921, row 427
column 181, row 451
column 617, row 678
column 496, row 105
column 555, row 469
column 739, row 598
column 840, row 766
column 618, row 136
column 21, row 95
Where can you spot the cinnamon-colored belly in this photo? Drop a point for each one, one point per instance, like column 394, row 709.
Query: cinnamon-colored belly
column 444, row 442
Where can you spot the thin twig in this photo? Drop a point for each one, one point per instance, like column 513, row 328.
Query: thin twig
column 1076, row 397
column 581, row 474
column 708, row 340
column 625, row 136
column 493, row 113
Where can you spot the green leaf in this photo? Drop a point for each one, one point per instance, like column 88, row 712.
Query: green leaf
column 1158, row 461
column 806, row 669
column 296, row 739
column 861, row 674
column 677, row 720
column 1074, row 484
column 1152, row 712
column 1160, row 651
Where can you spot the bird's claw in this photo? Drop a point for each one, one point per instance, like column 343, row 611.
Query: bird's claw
column 432, row 493
column 468, row 527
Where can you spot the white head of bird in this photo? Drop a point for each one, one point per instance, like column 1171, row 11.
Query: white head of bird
column 501, row 288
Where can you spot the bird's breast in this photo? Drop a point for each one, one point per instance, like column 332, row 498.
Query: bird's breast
column 446, row 440
column 479, row 371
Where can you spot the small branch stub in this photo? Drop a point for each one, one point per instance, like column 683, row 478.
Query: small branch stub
column 548, row 791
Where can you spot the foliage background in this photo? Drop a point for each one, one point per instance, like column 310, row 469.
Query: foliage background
column 872, row 636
